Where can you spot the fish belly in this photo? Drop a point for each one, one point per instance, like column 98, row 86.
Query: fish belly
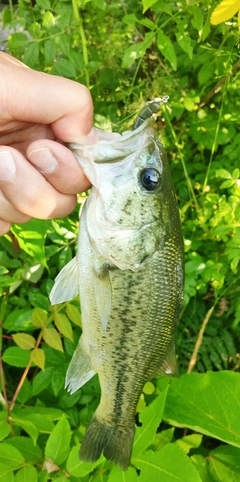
column 140, row 328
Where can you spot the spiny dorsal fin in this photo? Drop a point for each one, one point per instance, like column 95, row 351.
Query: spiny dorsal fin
column 65, row 287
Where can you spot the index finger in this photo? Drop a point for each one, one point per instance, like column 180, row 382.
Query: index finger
column 37, row 97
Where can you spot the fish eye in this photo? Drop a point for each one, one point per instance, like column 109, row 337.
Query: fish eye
column 150, row 179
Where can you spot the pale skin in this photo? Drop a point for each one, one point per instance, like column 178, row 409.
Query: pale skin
column 39, row 175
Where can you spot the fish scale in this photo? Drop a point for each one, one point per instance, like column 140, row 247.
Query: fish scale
column 129, row 273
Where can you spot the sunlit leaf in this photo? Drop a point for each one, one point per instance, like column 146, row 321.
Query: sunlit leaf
column 58, row 444
column 25, row 341
column 38, row 357
column 52, row 338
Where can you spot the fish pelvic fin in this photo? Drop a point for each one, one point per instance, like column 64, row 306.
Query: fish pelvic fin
column 65, row 287
column 80, row 369
column 169, row 366
column 114, row 441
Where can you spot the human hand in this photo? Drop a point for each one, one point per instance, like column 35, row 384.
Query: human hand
column 39, row 176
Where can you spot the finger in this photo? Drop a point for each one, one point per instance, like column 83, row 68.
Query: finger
column 58, row 165
column 9, row 214
column 63, row 103
column 28, row 191
column 4, row 227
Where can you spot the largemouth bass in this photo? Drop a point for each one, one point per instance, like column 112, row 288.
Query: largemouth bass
column 129, row 274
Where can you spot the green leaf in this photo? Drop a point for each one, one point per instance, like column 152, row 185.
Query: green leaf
column 185, row 43
column 150, row 418
column 16, row 356
column 223, row 173
column 42, row 380
column 117, row 475
column 189, row 442
column 205, row 73
column 170, row 464
column 63, row 325
column 207, row 403
column 65, row 68
column 17, row 41
column 38, row 300
column 6, row 473
column 31, row 54
column 10, row 456
column 39, row 318
column 73, row 314
column 58, row 380
column 227, row 184
column 38, row 357
column 31, row 236
column 147, row 4
column 137, row 50
column 52, row 338
column 235, row 174
column 44, row 4
column 167, row 49
column 224, row 462
column 27, row 474
column 50, row 51
column 77, row 467
column 58, row 444
column 4, row 425
column 25, row 341
column 27, row 426
column 31, row 453
column 130, row 19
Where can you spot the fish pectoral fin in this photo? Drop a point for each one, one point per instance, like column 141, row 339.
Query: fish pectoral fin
column 169, row 366
column 103, row 295
column 80, row 369
column 65, row 287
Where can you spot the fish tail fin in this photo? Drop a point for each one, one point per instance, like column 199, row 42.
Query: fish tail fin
column 114, row 441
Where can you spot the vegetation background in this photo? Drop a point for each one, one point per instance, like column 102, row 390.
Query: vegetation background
column 127, row 53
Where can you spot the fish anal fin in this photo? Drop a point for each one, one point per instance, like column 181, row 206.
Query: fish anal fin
column 80, row 369
column 103, row 294
column 65, row 287
column 169, row 366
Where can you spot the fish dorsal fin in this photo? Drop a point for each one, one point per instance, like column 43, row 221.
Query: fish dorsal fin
column 80, row 369
column 103, row 295
column 65, row 287
column 169, row 366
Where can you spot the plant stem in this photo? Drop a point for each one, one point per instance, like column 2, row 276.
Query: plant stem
column 4, row 399
column 193, row 360
column 83, row 38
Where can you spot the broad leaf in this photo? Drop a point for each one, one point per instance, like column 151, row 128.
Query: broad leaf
column 167, row 49
column 16, row 356
column 31, row 453
column 150, row 418
column 27, row 426
column 25, row 341
column 117, row 475
column 57, row 447
column 52, row 338
column 224, row 464
column 38, row 357
column 63, row 325
column 10, row 456
column 27, row 474
column 6, row 473
column 77, row 467
column 4, row 425
column 169, row 464
column 208, row 403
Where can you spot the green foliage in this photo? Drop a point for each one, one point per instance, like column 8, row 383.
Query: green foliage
column 128, row 53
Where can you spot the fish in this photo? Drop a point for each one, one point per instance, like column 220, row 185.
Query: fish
column 129, row 274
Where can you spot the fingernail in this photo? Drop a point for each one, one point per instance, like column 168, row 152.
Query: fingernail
column 43, row 159
column 7, row 166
